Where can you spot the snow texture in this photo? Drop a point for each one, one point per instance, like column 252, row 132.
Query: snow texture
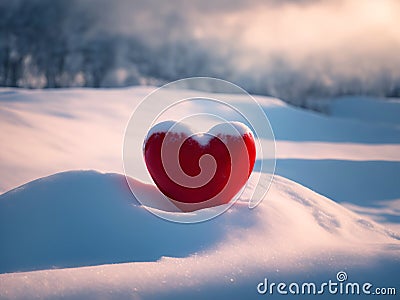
column 233, row 129
column 294, row 231
column 333, row 206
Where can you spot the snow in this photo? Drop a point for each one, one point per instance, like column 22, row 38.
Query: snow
column 343, row 151
column 222, row 130
column 76, row 233
column 234, row 129
column 203, row 138
column 368, row 109
column 168, row 257
column 231, row 128
column 169, row 126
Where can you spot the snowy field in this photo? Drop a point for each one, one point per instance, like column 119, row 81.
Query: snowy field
column 70, row 228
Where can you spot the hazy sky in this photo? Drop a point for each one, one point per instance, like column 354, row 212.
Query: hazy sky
column 296, row 28
column 345, row 37
column 267, row 44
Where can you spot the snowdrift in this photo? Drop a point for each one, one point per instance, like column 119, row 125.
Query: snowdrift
column 83, row 218
column 82, row 235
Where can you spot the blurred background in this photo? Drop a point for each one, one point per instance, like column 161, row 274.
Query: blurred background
column 294, row 50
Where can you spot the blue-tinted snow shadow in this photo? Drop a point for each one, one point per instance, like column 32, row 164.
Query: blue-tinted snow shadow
column 294, row 124
column 363, row 183
column 301, row 125
column 86, row 218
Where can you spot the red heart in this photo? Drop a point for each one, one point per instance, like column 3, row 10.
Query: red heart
column 199, row 170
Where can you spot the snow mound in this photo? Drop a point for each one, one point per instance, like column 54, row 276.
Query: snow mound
column 91, row 221
column 82, row 218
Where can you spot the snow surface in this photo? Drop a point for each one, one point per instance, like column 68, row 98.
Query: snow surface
column 295, row 231
column 237, row 129
column 368, row 109
column 231, row 128
column 87, row 237
column 169, row 126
